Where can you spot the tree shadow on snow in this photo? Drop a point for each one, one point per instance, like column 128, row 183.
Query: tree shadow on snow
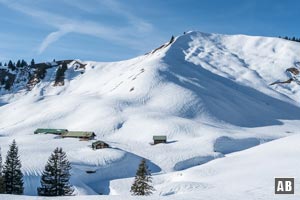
column 98, row 182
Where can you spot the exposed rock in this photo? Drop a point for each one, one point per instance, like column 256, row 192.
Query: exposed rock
column 293, row 72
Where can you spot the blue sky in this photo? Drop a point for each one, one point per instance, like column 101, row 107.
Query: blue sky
column 111, row 30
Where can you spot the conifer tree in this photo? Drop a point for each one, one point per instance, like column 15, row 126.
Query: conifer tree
column 2, row 184
column 32, row 63
column 142, row 181
column 24, row 63
column 60, row 74
column 11, row 66
column 7, row 85
column 13, row 176
column 64, row 66
column 18, row 65
column 55, row 178
column 172, row 39
column 1, row 167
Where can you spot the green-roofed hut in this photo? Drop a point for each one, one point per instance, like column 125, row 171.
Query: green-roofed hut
column 99, row 145
column 50, row 131
column 79, row 134
column 159, row 139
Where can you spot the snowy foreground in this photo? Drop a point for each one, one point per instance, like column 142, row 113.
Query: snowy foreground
column 247, row 174
column 229, row 132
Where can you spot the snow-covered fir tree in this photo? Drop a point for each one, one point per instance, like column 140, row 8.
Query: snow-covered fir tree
column 56, row 176
column 142, row 182
column 13, row 176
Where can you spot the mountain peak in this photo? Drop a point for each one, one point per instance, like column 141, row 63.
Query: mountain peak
column 209, row 94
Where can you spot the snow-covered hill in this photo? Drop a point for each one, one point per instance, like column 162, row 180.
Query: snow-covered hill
column 208, row 93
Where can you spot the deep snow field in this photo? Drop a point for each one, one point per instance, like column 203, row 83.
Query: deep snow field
column 229, row 132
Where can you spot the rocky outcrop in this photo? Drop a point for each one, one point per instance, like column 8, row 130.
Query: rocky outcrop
column 29, row 76
column 292, row 72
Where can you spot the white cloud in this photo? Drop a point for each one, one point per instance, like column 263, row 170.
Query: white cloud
column 127, row 34
column 52, row 37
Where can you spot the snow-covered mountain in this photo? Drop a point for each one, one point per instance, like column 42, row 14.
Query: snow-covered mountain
column 210, row 94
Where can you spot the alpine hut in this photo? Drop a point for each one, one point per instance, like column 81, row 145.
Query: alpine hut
column 99, row 145
column 159, row 139
column 83, row 135
column 50, row 131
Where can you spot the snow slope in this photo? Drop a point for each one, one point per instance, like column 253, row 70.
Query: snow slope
column 233, row 176
column 209, row 93
column 229, row 178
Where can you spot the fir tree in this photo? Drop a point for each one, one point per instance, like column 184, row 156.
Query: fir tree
column 7, row 85
column 11, row 66
column 64, row 66
column 18, row 65
column 172, row 39
column 60, row 74
column 24, row 63
column 13, row 176
column 32, row 63
column 55, row 178
column 1, row 167
column 142, row 181
column 2, row 184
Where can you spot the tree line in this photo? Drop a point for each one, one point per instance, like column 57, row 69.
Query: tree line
column 55, row 179
column 290, row 38
column 30, row 73
column 18, row 65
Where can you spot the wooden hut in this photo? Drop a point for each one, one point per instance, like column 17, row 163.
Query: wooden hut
column 84, row 135
column 99, row 145
column 50, row 131
column 159, row 139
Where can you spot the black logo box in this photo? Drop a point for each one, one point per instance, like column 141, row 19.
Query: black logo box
column 284, row 185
